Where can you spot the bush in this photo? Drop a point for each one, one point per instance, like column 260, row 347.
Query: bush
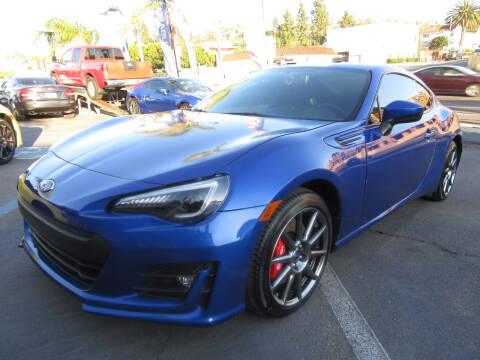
column 395, row 60
column 413, row 60
column 6, row 74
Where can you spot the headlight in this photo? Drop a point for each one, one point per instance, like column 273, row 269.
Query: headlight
column 182, row 203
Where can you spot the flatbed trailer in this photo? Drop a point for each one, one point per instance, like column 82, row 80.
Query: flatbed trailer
column 113, row 106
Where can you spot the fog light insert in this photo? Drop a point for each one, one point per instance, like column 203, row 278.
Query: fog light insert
column 186, row 280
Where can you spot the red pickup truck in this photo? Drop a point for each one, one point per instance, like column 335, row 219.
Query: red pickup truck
column 99, row 68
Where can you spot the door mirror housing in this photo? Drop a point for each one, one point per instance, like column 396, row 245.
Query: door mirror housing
column 399, row 112
column 162, row 91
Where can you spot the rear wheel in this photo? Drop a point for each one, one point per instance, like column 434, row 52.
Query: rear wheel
column 290, row 255
column 8, row 142
column 133, row 106
column 473, row 90
column 93, row 91
column 448, row 176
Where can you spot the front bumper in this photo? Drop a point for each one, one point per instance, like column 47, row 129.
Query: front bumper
column 138, row 242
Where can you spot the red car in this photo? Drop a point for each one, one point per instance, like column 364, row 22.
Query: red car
column 99, row 68
column 451, row 79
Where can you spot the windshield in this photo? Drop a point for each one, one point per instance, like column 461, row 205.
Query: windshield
column 187, row 86
column 36, row 81
column 296, row 93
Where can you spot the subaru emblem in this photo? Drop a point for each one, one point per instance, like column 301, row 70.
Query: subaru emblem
column 46, row 185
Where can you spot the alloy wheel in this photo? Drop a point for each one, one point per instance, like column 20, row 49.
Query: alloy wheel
column 473, row 90
column 449, row 173
column 7, row 142
column 299, row 257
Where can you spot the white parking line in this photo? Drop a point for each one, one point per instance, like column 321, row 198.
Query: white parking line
column 30, row 153
column 358, row 332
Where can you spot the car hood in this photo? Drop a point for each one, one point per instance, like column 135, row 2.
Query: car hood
column 170, row 147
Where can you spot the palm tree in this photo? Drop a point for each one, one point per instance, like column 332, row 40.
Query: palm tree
column 466, row 15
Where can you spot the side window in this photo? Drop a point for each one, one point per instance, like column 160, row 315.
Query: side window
column 90, row 54
column 398, row 87
column 67, row 56
column 118, row 54
column 375, row 115
column 157, row 84
column 76, row 54
column 452, row 72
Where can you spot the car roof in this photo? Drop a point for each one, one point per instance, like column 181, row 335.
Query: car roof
column 456, row 67
column 376, row 69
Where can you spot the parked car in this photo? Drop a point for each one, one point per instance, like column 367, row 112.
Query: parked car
column 454, row 55
column 10, row 135
column 191, row 216
column 36, row 95
column 163, row 94
column 99, row 68
column 476, row 51
column 451, row 79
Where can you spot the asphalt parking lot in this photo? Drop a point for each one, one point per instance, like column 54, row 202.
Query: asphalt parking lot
column 408, row 288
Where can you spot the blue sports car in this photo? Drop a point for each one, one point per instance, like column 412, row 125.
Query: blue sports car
column 192, row 216
column 164, row 94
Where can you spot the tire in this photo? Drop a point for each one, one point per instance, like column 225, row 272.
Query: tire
column 278, row 291
column 8, row 142
column 184, row 106
column 93, row 91
column 133, row 106
column 472, row 90
column 449, row 172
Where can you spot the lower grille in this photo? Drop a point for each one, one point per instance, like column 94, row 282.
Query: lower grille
column 76, row 253
column 84, row 272
column 162, row 281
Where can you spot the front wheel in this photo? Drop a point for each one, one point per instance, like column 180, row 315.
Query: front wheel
column 133, row 106
column 8, row 142
column 472, row 90
column 290, row 255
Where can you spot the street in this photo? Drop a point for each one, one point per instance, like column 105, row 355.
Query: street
column 413, row 277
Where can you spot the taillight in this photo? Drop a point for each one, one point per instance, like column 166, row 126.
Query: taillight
column 25, row 94
column 68, row 92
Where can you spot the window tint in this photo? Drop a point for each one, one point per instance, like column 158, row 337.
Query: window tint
column 398, row 87
column 67, row 56
column 118, row 54
column 451, row 72
column 76, row 54
column 328, row 93
column 432, row 72
column 155, row 84
column 187, row 86
column 90, row 54
column 36, row 81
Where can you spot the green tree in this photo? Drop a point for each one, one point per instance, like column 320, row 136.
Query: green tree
column 286, row 33
column 203, row 57
column 60, row 32
column 466, row 15
column 320, row 23
column 347, row 20
column 152, row 52
column 439, row 42
column 301, row 27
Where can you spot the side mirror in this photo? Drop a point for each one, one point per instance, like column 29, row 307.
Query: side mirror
column 162, row 91
column 399, row 112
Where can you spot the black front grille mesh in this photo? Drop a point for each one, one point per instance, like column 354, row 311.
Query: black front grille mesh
column 82, row 271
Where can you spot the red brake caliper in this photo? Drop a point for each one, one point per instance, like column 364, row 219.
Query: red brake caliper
column 280, row 250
